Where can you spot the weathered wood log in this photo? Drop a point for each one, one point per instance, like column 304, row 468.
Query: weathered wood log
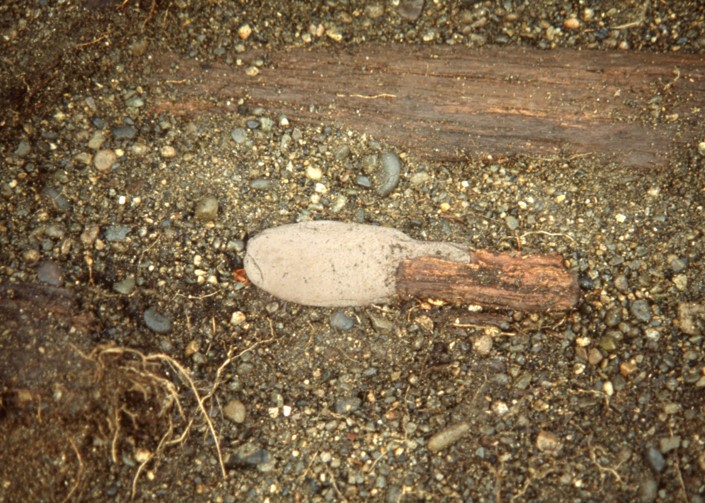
column 448, row 103
column 537, row 283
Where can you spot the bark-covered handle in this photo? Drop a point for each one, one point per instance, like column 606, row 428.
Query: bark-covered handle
column 535, row 283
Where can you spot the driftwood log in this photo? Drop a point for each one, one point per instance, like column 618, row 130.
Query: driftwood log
column 449, row 103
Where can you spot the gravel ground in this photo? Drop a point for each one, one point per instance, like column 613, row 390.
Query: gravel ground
column 125, row 315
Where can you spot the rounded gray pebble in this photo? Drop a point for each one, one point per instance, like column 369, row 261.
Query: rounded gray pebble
column 124, row 132
column 104, row 159
column 388, row 174
column 261, row 184
column 23, row 149
column 235, row 411
column 49, row 272
column 341, row 320
column 655, row 459
column 206, row 209
column 126, row 286
column 344, row 405
column 512, row 222
column 641, row 310
column 648, row 489
column 239, row 135
column 117, row 232
column 363, row 181
column 156, row 321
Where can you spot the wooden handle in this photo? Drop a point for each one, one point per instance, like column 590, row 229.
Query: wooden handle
column 536, row 283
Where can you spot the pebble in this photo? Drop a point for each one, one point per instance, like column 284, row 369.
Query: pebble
column 347, row 404
column 235, row 411
column 341, row 321
column 23, row 148
column 237, row 318
column 239, row 135
column 641, row 310
column 668, row 444
column 135, row 102
column 167, row 152
column 59, row 201
column 124, row 132
column 363, row 181
column 482, row 345
column 613, row 317
column 96, row 140
column 244, row 31
column 248, row 455
column 342, row 153
column 156, row 321
column 261, row 184
column 547, row 441
column 655, row 459
column 104, row 159
column 410, row 9
column 571, row 23
column 253, row 124
column 388, row 174
column 89, row 234
column 117, row 232
column 126, row 286
column 447, row 437
column 266, row 123
column 314, row 173
column 206, row 209
column 512, row 222
column 49, row 272
column 648, row 489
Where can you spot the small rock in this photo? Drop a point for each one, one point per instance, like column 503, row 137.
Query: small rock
column 237, row 318
column 389, row 173
column 341, row 320
column 483, row 345
column 261, row 184
column 447, row 437
column 641, row 310
column 104, row 159
column 342, row 153
column 655, row 459
column 124, row 132
column 235, row 411
column 239, row 135
column 571, row 23
column 23, row 148
column 156, row 321
column 691, row 318
column 206, row 209
column 668, row 444
column 512, row 222
column 547, row 441
column 126, row 286
column 410, row 9
column 49, row 272
column 248, row 455
column 344, row 405
column 117, row 232
column 314, row 173
column 167, row 152
column 244, row 31
column 363, row 181
column 648, row 489
column 90, row 234
column 253, row 124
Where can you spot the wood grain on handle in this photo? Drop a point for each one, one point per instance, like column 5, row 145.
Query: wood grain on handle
column 537, row 283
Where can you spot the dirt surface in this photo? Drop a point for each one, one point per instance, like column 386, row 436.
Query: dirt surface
column 137, row 363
